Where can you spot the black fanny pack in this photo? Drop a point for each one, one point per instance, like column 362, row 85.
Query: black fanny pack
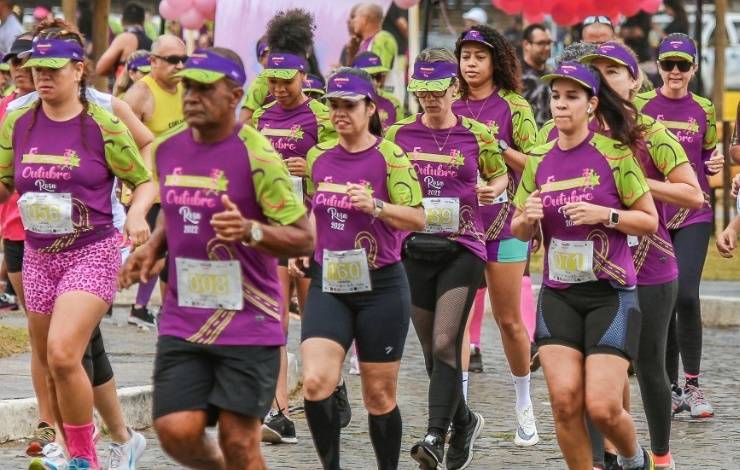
column 427, row 247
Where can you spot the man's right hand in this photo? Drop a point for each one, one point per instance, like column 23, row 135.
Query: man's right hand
column 141, row 266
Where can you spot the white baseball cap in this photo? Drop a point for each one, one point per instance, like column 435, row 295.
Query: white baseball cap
column 476, row 14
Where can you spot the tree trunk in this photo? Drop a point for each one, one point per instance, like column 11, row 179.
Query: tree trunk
column 101, row 9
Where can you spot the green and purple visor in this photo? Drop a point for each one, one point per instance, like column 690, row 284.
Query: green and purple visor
column 204, row 66
column 432, row 76
column 54, row 53
column 476, row 36
column 616, row 53
column 677, row 48
column 314, row 84
column 284, row 65
column 348, row 86
column 141, row 64
column 577, row 72
column 369, row 62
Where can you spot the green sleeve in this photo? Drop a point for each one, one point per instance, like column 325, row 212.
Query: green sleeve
column 527, row 184
column 258, row 113
column 643, row 98
column 272, row 186
column 325, row 128
column 403, row 184
column 256, row 94
column 396, row 103
column 384, row 45
column 628, row 175
column 121, row 151
column 7, row 155
column 490, row 161
column 710, row 137
column 392, row 131
column 313, row 155
column 664, row 148
column 544, row 133
column 524, row 126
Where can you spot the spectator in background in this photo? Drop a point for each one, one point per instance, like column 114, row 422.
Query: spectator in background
column 42, row 12
column 396, row 22
column 513, row 34
column 349, row 51
column 680, row 22
column 635, row 31
column 537, row 45
column 474, row 17
column 10, row 27
column 367, row 24
column 597, row 30
column 132, row 39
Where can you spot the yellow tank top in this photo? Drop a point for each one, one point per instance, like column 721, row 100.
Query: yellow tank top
column 167, row 107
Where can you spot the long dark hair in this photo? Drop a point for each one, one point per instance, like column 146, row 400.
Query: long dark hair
column 507, row 72
column 374, row 126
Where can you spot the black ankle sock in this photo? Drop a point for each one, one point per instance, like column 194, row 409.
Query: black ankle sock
column 385, row 434
column 692, row 381
column 323, row 421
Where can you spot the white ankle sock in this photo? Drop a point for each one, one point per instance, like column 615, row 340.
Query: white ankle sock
column 465, row 385
column 521, row 387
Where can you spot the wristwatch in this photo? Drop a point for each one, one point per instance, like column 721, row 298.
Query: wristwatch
column 379, row 204
column 255, row 235
column 613, row 218
column 503, row 145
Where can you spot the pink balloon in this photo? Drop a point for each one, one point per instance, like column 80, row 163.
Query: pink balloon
column 169, row 12
column 651, row 6
column 180, row 5
column 511, row 7
column 192, row 19
column 405, row 4
column 630, row 7
column 207, row 8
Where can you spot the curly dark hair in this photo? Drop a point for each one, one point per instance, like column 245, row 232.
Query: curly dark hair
column 291, row 31
column 507, row 70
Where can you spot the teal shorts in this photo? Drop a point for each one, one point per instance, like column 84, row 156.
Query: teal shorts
column 511, row 250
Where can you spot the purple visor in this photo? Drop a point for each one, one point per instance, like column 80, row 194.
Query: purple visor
column 369, row 62
column 284, row 65
column 432, row 76
column 348, row 86
column 314, row 84
column 616, row 53
column 140, row 63
column 678, row 48
column 54, row 53
column 577, row 72
column 475, row 36
column 261, row 48
column 205, row 66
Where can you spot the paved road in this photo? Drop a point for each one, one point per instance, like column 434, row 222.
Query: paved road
column 709, row 444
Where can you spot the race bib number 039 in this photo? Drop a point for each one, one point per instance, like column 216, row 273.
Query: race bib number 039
column 345, row 272
column 442, row 214
column 209, row 284
column 47, row 212
column 571, row 262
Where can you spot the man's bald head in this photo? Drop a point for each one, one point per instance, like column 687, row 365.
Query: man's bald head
column 168, row 44
column 598, row 33
column 368, row 18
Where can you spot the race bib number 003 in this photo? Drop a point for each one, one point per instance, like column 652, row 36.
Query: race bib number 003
column 209, row 284
column 47, row 212
column 571, row 262
column 442, row 214
column 345, row 272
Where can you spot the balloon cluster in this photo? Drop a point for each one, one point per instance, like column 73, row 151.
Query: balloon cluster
column 190, row 13
column 571, row 12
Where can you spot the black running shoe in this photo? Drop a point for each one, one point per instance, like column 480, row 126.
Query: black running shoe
column 8, row 302
column 345, row 411
column 141, row 317
column 460, row 452
column 610, row 461
column 429, row 452
column 476, row 360
column 278, row 429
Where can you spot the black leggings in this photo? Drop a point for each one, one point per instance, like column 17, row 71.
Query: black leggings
column 442, row 293
column 95, row 360
column 685, row 331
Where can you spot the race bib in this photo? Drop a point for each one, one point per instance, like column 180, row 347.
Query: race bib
column 47, row 212
column 571, row 262
column 632, row 241
column 297, row 183
column 209, row 284
column 442, row 214
column 345, row 272
column 502, row 198
column 737, row 203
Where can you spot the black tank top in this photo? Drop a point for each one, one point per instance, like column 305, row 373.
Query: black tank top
column 142, row 40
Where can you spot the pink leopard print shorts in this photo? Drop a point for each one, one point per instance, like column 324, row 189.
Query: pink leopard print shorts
column 92, row 268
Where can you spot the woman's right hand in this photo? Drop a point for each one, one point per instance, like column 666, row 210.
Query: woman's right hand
column 533, row 208
column 727, row 242
column 735, row 185
column 140, row 266
column 295, row 265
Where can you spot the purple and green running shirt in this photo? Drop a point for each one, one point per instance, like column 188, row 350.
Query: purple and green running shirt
column 64, row 172
column 692, row 120
column 448, row 162
column 192, row 178
column 599, row 171
column 390, row 109
column 386, row 171
column 509, row 117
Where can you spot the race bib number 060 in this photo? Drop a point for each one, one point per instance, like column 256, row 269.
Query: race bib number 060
column 209, row 284
column 442, row 214
column 345, row 272
column 47, row 212
column 571, row 262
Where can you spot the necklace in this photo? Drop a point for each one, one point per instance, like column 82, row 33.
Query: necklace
column 449, row 131
column 480, row 111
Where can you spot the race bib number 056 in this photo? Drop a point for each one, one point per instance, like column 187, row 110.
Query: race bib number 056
column 47, row 212
column 442, row 214
column 345, row 272
column 209, row 284
column 571, row 262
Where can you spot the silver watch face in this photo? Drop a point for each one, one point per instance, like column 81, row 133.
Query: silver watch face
column 256, row 233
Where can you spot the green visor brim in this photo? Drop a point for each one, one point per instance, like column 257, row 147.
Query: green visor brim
column 591, row 57
column 4, row 67
column 429, row 85
column 375, row 70
column 555, row 76
column 46, row 62
column 314, row 90
column 200, row 75
column 283, row 74
column 145, row 68
column 676, row 55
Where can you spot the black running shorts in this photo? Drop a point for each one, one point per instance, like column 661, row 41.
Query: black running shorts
column 13, row 250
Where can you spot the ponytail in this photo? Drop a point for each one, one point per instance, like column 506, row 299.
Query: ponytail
column 620, row 117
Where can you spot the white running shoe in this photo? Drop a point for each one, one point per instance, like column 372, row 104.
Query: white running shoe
column 53, row 459
column 125, row 456
column 526, row 430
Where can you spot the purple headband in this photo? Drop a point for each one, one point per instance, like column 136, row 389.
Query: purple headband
column 139, row 62
column 57, row 49
column 286, row 61
column 208, row 67
column 349, row 86
column 428, row 71
column 683, row 48
column 577, row 72
column 618, row 53
column 313, row 82
column 476, row 36
column 368, row 60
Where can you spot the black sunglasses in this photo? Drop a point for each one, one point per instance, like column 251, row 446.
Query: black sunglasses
column 172, row 59
column 669, row 65
column 597, row 19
